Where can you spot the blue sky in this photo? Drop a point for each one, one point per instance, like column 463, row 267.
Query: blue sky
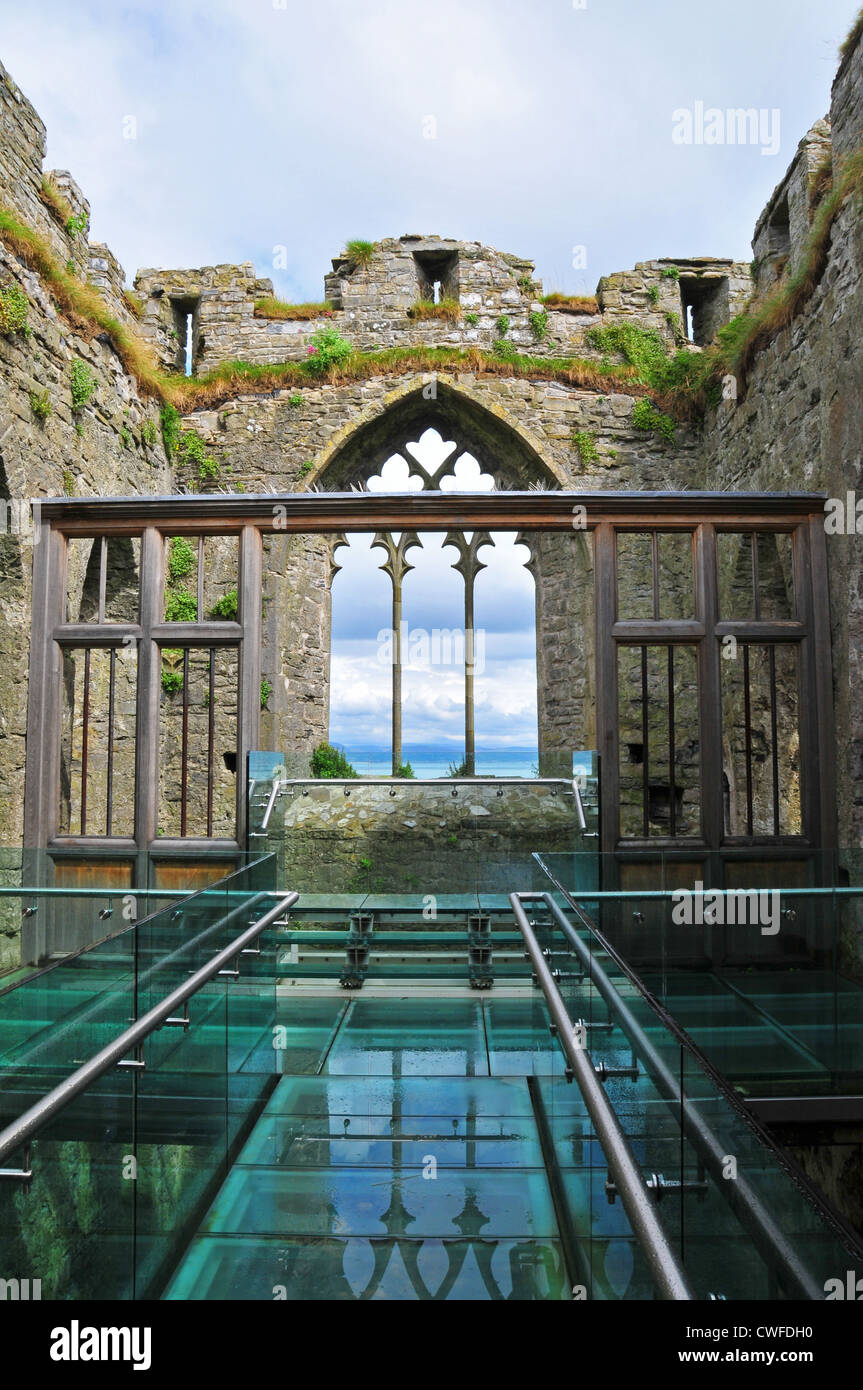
column 267, row 124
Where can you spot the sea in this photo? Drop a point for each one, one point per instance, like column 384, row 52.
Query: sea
column 428, row 760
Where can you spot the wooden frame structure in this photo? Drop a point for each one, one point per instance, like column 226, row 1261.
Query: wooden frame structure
column 155, row 519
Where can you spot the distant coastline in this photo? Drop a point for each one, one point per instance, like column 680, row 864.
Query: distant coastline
column 428, row 760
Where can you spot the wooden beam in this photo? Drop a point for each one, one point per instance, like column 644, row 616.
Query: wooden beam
column 607, row 735
column 664, row 630
column 502, row 511
column 709, row 687
column 824, row 715
column 199, row 634
column 44, row 712
column 249, row 675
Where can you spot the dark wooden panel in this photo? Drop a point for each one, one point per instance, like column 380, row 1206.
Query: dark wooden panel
column 185, row 875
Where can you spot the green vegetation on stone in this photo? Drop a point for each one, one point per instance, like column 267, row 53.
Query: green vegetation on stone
column 269, row 307
column 539, row 324
column 329, row 349
column 40, row 404
column 170, row 421
column 641, row 348
column 13, row 309
column 328, row 762
column 585, row 443
column 181, row 561
column 227, row 607
column 172, row 681
column 449, row 310
column 360, row 252
column 191, row 450
column 645, row 416
column 76, row 223
column 83, row 384
column 180, row 607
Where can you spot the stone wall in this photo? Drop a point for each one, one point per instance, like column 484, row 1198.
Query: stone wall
column 846, row 105
column 783, row 226
column 799, row 424
column 656, row 294
column 419, row 839
column 372, row 305
column 110, row 446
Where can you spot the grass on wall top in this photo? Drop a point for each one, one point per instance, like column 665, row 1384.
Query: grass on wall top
column 682, row 383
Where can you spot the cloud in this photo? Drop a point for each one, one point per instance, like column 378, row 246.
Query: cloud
column 303, row 125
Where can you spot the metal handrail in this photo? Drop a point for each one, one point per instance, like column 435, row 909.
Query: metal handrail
column 670, row 1280
column 569, row 785
column 565, row 782
column 579, row 811
column 22, row 1130
column 740, row 1195
column 277, row 786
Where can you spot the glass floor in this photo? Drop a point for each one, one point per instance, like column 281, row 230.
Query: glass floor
column 390, row 1169
column 418, row 1149
column 414, row 1138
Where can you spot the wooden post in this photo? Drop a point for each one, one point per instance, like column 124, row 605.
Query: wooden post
column 249, row 673
column 149, row 690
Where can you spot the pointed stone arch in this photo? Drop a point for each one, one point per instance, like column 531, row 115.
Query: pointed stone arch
column 502, row 445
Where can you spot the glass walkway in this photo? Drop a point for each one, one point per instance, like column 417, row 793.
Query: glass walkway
column 256, row 1095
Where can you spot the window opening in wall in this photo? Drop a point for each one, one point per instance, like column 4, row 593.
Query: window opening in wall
column 185, row 332
column 434, row 661
column 779, row 238
column 706, row 306
column 437, row 275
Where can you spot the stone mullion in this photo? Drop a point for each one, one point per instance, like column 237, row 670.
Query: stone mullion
column 468, row 566
column 396, row 566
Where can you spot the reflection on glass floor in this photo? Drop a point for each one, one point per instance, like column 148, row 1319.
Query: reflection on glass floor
column 408, row 1167
column 431, row 1149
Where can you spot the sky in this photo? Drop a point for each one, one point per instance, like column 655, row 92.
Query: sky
column 273, row 131
column 300, row 124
